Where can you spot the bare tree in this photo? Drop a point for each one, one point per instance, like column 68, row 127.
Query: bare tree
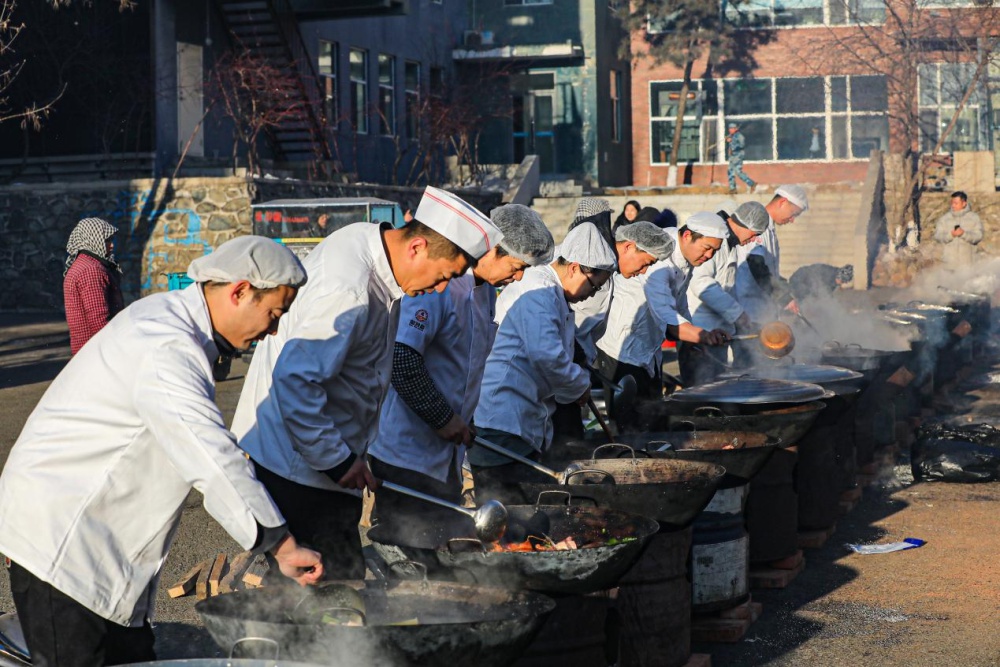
column 894, row 39
column 33, row 113
column 682, row 33
column 255, row 95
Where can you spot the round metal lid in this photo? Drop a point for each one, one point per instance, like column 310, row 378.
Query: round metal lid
column 749, row 389
column 815, row 373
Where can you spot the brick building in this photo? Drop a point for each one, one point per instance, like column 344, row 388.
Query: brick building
column 822, row 84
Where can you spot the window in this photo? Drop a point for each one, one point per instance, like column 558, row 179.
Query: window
column 942, row 87
column 437, row 81
column 327, row 68
column 387, row 94
column 411, row 83
column 616, row 105
column 778, row 13
column 519, row 3
column 359, row 90
column 793, row 118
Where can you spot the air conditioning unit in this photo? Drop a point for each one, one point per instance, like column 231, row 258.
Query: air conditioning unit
column 476, row 38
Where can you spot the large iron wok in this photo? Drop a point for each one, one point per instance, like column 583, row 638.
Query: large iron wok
column 407, row 623
column 671, row 492
column 616, row 540
column 741, row 453
column 787, row 424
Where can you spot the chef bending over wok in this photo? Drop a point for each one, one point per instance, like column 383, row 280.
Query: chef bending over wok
column 531, row 364
column 440, row 351
column 92, row 493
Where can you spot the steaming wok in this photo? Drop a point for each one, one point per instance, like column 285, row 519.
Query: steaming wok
column 438, row 623
column 671, row 492
column 748, row 452
column 857, row 358
column 445, row 544
column 787, row 424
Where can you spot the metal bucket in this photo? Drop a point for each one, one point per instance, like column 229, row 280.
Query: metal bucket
column 720, row 559
column 573, row 634
column 772, row 509
column 654, row 603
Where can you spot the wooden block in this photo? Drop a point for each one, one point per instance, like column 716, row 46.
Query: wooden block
column 236, row 569
column 814, row 539
column 739, row 611
column 215, row 574
column 723, row 630
column 186, row 584
column 699, row 660
column 770, row 578
column 789, row 563
column 201, row 586
column 254, row 576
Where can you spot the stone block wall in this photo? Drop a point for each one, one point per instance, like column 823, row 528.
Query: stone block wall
column 162, row 226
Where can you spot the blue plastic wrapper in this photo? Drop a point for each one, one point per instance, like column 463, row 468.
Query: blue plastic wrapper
column 907, row 543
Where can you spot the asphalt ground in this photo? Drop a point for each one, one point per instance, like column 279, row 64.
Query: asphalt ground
column 936, row 605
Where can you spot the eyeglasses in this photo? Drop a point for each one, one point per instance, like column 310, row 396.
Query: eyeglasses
column 594, row 287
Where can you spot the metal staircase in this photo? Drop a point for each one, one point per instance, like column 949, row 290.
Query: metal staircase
column 270, row 29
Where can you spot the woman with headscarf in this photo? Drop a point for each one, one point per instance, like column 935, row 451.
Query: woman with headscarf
column 628, row 214
column 92, row 280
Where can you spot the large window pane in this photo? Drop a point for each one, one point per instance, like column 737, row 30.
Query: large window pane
column 387, row 93
column 663, row 140
column 759, row 138
column 839, row 136
column 964, row 136
column 748, row 96
column 927, row 75
column 750, row 14
column 710, row 90
column 799, row 95
column 797, row 141
column 868, row 93
column 869, row 133
column 955, row 80
column 359, row 90
column 663, row 99
column 856, row 11
column 798, row 12
column 928, row 129
column 838, row 93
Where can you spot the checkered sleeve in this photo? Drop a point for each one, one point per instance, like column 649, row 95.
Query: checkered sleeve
column 415, row 386
column 88, row 302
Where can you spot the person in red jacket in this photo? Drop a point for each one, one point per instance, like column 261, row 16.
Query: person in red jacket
column 92, row 280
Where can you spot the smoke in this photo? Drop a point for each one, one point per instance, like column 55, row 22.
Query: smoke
column 849, row 320
column 942, row 284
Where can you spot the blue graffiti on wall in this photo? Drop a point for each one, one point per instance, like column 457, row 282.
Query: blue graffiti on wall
column 126, row 214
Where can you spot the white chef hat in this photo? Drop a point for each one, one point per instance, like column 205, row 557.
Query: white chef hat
column 261, row 261
column 795, row 194
column 647, row 237
column 753, row 216
column 585, row 245
column 525, row 236
column 708, row 224
column 457, row 221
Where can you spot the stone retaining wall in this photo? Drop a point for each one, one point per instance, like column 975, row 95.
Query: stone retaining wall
column 162, row 226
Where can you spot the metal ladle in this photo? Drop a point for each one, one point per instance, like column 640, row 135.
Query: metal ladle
column 490, row 517
column 561, row 477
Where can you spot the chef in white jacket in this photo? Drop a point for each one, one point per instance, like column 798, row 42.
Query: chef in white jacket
column 531, row 364
column 441, row 348
column 758, row 272
column 310, row 405
column 711, row 296
column 91, row 496
column 653, row 307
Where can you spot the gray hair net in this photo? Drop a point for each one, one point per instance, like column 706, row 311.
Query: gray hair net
column 585, row 245
column 753, row 216
column 647, row 238
column 525, row 236
column 262, row 262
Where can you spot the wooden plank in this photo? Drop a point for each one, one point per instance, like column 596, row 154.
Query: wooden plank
column 254, row 576
column 201, row 585
column 185, row 585
column 216, row 574
column 236, row 569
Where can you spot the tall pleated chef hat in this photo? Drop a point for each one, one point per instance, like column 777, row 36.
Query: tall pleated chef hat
column 262, row 262
column 525, row 236
column 753, row 216
column 457, row 221
column 795, row 194
column 585, row 245
column 647, row 237
column 707, row 224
